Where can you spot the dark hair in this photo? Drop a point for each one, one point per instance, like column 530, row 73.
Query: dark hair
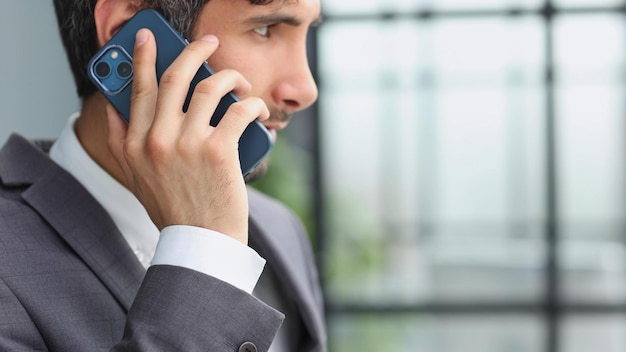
column 78, row 30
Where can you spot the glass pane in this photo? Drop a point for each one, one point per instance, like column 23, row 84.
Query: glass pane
column 428, row 333
column 587, row 3
column 352, row 7
column 606, row 333
column 590, row 109
column 447, row 5
column 432, row 151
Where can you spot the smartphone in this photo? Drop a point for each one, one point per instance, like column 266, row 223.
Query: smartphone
column 111, row 70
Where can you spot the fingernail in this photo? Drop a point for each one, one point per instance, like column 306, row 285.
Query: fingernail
column 142, row 37
column 209, row 38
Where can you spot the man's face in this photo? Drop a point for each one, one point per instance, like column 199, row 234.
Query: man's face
column 267, row 45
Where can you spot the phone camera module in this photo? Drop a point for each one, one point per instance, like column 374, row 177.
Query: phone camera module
column 103, row 69
column 124, row 69
column 111, row 70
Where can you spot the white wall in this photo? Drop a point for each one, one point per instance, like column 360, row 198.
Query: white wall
column 37, row 92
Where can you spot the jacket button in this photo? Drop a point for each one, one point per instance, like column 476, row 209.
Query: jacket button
column 247, row 347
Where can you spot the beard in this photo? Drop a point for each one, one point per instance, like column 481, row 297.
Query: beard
column 258, row 172
column 276, row 117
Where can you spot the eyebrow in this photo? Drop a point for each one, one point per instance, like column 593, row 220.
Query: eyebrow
column 277, row 18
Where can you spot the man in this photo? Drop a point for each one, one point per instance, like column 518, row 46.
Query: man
column 80, row 225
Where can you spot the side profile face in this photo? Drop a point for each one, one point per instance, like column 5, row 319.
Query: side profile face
column 267, row 45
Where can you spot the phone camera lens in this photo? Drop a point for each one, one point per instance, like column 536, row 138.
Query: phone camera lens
column 103, row 69
column 124, row 69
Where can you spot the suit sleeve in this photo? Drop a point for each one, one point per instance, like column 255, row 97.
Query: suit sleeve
column 179, row 309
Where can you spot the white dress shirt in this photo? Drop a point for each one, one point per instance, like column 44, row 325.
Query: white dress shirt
column 192, row 247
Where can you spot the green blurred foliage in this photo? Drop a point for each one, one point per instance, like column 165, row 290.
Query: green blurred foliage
column 290, row 180
column 356, row 256
column 380, row 333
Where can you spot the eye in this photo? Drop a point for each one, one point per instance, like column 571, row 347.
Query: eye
column 263, row 31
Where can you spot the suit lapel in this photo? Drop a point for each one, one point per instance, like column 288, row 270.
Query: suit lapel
column 276, row 240
column 75, row 215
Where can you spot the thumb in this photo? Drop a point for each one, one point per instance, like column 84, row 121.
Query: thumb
column 117, row 135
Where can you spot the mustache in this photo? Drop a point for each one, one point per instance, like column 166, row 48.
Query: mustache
column 280, row 116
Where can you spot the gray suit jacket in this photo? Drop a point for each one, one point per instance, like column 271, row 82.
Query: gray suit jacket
column 69, row 281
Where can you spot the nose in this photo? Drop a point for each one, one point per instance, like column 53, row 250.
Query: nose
column 296, row 88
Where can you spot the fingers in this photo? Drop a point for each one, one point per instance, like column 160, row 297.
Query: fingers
column 207, row 96
column 182, row 170
column 174, row 83
column 117, row 138
column 238, row 117
column 158, row 125
column 195, row 125
column 144, row 88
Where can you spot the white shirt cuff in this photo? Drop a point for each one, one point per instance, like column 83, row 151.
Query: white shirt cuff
column 210, row 252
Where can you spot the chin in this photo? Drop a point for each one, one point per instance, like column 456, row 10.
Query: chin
column 258, row 172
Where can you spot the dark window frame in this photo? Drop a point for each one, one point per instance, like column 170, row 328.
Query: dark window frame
column 550, row 307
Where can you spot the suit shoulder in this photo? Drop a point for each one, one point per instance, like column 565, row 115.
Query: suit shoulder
column 263, row 203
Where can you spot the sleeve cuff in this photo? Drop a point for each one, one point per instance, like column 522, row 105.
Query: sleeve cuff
column 211, row 253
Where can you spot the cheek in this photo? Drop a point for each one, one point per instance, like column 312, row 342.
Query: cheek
column 223, row 58
column 237, row 50
column 254, row 68
column 232, row 57
column 259, row 79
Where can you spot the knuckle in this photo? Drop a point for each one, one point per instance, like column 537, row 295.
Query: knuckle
column 141, row 87
column 254, row 105
column 139, row 94
column 139, row 59
column 216, row 153
column 170, row 77
column 257, row 102
column 156, row 149
column 240, row 82
column 185, row 146
column 240, row 109
column 232, row 73
column 207, row 87
column 132, row 146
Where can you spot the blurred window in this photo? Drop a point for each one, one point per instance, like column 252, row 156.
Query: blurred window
column 473, row 175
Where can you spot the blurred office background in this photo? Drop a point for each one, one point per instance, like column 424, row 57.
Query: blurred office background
column 472, row 176
column 36, row 86
column 463, row 174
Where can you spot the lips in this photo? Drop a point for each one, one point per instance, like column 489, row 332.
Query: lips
column 274, row 128
column 273, row 134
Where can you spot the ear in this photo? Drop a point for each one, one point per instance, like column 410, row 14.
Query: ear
column 110, row 15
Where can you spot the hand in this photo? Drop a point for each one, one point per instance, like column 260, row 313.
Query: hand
column 180, row 168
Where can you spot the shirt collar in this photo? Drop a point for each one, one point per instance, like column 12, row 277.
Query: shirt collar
column 126, row 211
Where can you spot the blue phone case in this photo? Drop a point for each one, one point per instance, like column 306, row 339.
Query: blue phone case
column 254, row 144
